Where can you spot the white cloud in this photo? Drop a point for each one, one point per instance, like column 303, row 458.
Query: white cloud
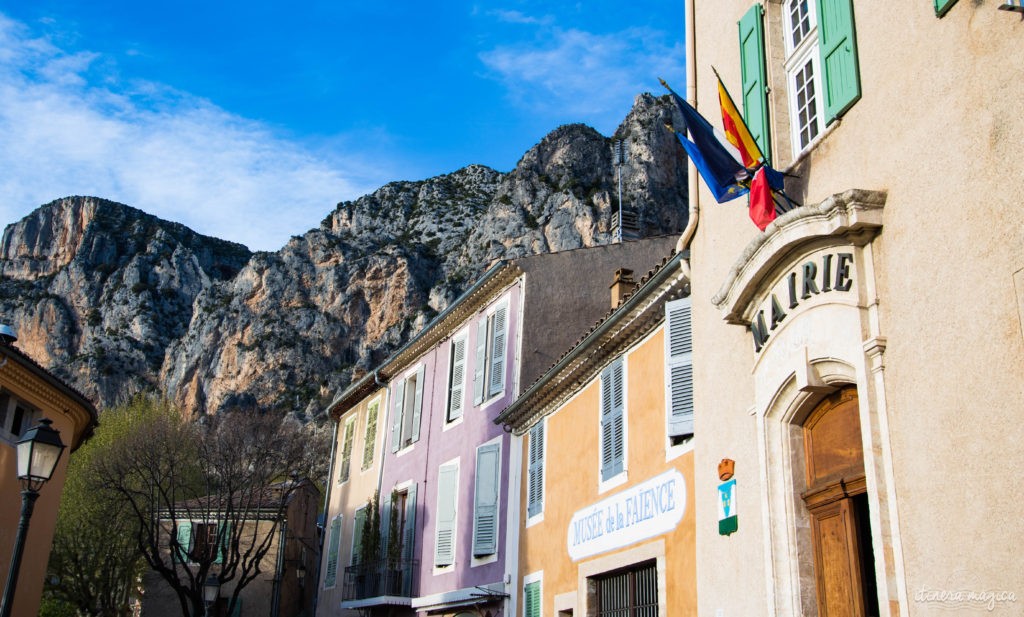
column 69, row 126
column 584, row 74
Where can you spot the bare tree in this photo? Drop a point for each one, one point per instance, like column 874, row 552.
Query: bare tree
column 196, row 490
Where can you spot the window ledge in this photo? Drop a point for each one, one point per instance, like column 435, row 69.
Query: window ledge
column 806, row 152
column 610, row 483
column 535, row 519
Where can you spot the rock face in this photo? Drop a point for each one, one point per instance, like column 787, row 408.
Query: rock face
column 118, row 302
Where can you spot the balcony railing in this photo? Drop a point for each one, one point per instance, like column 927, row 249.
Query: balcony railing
column 380, row 578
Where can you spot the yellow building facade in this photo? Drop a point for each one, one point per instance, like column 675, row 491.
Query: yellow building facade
column 605, row 517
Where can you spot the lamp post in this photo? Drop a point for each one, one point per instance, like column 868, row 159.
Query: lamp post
column 211, row 590
column 38, row 452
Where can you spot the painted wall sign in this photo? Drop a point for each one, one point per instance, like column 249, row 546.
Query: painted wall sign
column 728, row 521
column 644, row 511
column 826, row 273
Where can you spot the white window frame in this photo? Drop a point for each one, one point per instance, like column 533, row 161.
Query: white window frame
column 456, row 464
column 30, row 416
column 530, row 579
column 485, row 372
column 798, row 57
column 620, row 478
column 410, row 377
column 492, row 557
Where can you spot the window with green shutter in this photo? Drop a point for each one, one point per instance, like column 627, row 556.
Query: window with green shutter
column 837, row 42
column 333, row 546
column 346, row 449
column 532, row 599
column 358, row 523
column 183, row 542
column 370, row 438
column 942, row 6
column 753, row 70
column 613, row 428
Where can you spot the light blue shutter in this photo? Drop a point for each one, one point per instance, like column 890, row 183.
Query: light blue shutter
column 485, row 512
column 754, row 78
column 480, row 368
column 408, row 541
column 417, row 405
column 447, row 492
column 385, row 525
column 357, row 536
column 498, row 336
column 184, row 542
column 612, row 429
column 535, row 488
column 397, row 407
column 457, row 384
column 679, row 381
column 333, row 544
column 223, row 540
column 837, row 42
column 532, row 599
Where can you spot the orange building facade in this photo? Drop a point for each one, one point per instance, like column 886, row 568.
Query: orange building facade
column 28, row 392
column 605, row 516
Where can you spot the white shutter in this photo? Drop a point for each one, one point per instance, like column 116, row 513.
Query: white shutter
column 485, row 511
column 397, row 407
column 417, row 406
column 447, row 492
column 535, row 488
column 457, row 381
column 497, row 367
column 679, row 365
column 479, row 368
column 612, row 426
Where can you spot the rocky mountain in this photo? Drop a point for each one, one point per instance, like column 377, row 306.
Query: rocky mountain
column 118, row 302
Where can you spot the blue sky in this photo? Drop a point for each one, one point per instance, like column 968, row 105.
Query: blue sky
column 250, row 121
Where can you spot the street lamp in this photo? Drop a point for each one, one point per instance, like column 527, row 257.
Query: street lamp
column 38, row 452
column 211, row 590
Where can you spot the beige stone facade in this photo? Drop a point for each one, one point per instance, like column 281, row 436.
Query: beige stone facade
column 897, row 282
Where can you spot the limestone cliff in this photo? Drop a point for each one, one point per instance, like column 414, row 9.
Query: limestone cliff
column 118, row 302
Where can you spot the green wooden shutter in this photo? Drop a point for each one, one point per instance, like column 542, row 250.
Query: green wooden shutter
column 346, row 450
column 417, row 405
column 370, row 440
column 497, row 367
column 457, row 381
column 942, row 6
column 679, row 362
column 397, row 407
column 357, row 536
column 447, row 492
column 532, row 599
column 612, row 421
column 485, row 508
column 236, row 609
column 753, row 70
column 385, row 525
column 480, row 368
column 333, row 544
column 535, row 488
column 409, row 541
column 183, row 545
column 837, row 43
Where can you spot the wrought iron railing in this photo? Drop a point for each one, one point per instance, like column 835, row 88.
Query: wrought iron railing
column 380, row 578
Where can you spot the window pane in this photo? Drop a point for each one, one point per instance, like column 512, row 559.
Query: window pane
column 799, row 21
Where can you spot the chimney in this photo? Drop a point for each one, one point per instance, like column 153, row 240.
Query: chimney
column 622, row 284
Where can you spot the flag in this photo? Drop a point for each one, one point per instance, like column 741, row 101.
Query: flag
column 736, row 130
column 716, row 160
column 762, row 200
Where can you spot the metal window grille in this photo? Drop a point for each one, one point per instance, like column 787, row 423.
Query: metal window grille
column 629, row 593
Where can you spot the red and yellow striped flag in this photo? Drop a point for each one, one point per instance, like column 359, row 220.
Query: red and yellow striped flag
column 736, row 130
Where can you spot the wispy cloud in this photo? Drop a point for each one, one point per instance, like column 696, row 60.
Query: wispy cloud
column 582, row 73
column 70, row 126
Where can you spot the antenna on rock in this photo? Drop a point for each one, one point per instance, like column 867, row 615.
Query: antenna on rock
column 619, row 159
